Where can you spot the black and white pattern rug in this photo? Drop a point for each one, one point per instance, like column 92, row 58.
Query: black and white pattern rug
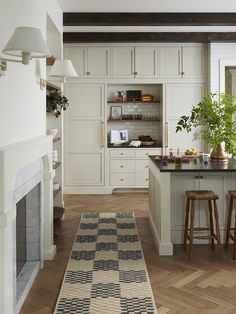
column 106, row 272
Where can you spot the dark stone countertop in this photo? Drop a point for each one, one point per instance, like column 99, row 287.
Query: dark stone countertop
column 211, row 166
column 127, row 146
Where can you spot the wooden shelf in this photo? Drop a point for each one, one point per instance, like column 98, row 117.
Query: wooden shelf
column 58, row 212
column 56, row 192
column 56, row 165
column 50, row 113
column 133, row 120
column 133, row 102
column 50, row 86
column 56, row 139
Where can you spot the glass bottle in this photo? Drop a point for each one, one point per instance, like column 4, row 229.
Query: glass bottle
column 178, row 161
column 200, row 156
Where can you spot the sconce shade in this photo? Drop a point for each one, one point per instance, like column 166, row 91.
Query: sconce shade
column 63, row 69
column 27, row 42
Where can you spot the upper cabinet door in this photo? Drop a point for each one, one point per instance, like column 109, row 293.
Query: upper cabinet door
column 123, row 62
column 180, row 98
column 77, row 55
column 145, row 62
column 98, row 62
column 193, row 62
column 170, row 62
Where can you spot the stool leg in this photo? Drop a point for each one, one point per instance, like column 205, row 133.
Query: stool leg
column 234, row 244
column 211, row 225
column 217, row 228
column 229, row 221
column 191, row 229
column 186, row 223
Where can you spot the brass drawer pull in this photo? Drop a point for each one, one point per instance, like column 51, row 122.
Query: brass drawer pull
column 121, row 179
column 121, row 166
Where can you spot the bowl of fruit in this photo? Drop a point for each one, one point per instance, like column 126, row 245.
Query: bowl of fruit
column 191, row 152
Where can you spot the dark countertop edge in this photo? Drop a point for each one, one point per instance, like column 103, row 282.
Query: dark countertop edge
column 127, row 146
column 200, row 167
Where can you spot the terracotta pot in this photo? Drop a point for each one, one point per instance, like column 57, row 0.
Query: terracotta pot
column 218, row 154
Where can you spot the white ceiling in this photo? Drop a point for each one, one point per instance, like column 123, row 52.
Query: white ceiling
column 148, row 5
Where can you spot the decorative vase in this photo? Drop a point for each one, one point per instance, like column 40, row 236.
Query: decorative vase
column 218, row 154
column 120, row 96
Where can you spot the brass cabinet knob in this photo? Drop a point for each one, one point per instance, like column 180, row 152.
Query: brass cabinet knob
column 88, row 73
column 135, row 73
column 121, row 166
column 121, row 179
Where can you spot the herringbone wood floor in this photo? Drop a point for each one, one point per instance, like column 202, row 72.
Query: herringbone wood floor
column 203, row 285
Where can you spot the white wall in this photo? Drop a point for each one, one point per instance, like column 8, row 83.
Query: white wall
column 148, row 5
column 219, row 51
column 22, row 103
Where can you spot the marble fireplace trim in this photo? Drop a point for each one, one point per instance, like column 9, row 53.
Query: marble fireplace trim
column 13, row 159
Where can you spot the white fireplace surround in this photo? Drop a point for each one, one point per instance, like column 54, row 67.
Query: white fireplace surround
column 15, row 183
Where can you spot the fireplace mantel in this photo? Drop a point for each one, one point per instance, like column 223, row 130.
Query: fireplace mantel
column 13, row 158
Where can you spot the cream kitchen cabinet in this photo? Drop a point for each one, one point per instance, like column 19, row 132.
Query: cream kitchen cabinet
column 84, row 138
column 89, row 62
column 181, row 62
column 134, row 62
column 128, row 167
column 179, row 101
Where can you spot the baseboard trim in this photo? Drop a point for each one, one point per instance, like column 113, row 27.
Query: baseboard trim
column 49, row 255
column 102, row 190
column 87, row 190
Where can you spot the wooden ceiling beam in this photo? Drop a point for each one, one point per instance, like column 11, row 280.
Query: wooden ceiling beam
column 148, row 19
column 151, row 37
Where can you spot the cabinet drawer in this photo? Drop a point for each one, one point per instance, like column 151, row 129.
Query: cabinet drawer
column 141, row 165
column 122, row 179
column 144, row 153
column 124, row 153
column 142, row 179
column 117, row 165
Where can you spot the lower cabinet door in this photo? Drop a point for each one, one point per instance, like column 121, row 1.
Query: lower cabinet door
column 141, row 165
column 122, row 179
column 85, row 169
column 142, row 179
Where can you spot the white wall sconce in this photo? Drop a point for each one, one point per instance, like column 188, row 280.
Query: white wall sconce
column 26, row 43
column 63, row 69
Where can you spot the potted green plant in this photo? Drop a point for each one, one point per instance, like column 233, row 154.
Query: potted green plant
column 214, row 116
column 56, row 102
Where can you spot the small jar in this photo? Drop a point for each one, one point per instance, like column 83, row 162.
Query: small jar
column 205, row 158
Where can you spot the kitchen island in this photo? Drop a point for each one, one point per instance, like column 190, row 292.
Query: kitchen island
column 167, row 200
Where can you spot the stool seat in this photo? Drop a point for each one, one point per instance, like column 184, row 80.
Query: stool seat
column 232, row 193
column 202, row 195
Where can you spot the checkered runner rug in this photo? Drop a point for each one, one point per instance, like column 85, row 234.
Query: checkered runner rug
column 106, row 273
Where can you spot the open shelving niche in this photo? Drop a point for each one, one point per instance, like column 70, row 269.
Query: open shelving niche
column 146, row 118
column 54, row 40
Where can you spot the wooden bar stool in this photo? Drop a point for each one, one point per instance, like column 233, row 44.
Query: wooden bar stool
column 228, row 233
column 201, row 195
